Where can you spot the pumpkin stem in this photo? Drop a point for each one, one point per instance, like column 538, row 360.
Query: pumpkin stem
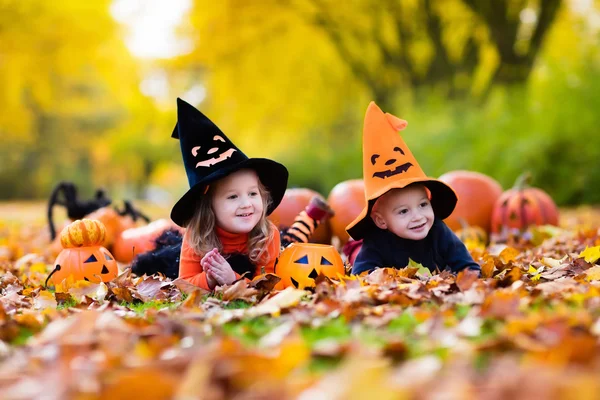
column 523, row 181
column 463, row 223
column 56, row 269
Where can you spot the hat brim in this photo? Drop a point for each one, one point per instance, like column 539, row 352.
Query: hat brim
column 443, row 202
column 273, row 175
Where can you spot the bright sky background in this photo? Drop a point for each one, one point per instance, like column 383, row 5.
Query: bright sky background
column 152, row 26
column 152, row 34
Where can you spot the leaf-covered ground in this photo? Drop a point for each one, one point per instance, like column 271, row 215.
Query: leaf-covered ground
column 528, row 329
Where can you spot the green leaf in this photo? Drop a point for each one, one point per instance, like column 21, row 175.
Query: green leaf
column 421, row 270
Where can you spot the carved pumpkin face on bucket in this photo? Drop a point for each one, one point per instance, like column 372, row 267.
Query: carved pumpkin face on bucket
column 300, row 263
column 82, row 256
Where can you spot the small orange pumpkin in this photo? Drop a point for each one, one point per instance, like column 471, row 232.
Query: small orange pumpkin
column 82, row 233
column 521, row 207
column 82, row 256
column 300, row 263
column 347, row 199
column 477, row 194
column 134, row 241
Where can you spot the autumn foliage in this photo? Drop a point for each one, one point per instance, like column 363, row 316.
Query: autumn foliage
column 529, row 327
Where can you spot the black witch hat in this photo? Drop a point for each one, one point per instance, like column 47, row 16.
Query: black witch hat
column 208, row 155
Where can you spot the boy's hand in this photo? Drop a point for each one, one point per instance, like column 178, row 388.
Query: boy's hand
column 218, row 270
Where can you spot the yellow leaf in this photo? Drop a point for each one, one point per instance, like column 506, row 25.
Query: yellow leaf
column 591, row 254
column 38, row 267
column 552, row 262
column 508, row 254
column 44, row 300
column 593, row 274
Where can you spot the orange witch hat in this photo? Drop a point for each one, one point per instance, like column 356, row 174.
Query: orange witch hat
column 388, row 164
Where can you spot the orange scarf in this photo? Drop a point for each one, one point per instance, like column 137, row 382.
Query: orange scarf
column 233, row 242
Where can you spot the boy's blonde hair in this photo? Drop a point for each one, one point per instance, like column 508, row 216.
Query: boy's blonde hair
column 203, row 236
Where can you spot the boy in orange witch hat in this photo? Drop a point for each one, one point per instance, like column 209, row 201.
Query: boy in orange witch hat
column 403, row 216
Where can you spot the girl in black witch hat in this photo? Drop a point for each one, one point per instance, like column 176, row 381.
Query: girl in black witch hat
column 225, row 210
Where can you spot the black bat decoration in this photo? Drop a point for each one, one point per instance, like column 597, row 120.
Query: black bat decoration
column 399, row 169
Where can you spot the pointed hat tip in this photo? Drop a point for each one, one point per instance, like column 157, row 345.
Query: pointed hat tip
column 373, row 106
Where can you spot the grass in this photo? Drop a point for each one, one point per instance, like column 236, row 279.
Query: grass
column 236, row 304
column 250, row 331
column 67, row 304
column 140, row 307
column 22, row 337
column 334, row 329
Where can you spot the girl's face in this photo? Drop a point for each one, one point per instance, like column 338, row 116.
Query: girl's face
column 237, row 203
column 405, row 212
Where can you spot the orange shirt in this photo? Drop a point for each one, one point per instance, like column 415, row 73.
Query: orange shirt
column 189, row 262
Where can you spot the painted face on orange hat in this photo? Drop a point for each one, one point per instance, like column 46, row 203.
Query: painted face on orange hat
column 406, row 212
column 390, row 163
column 237, row 201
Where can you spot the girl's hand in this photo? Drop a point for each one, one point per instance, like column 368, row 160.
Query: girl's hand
column 210, row 279
column 217, row 269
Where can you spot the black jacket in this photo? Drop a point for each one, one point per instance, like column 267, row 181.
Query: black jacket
column 440, row 249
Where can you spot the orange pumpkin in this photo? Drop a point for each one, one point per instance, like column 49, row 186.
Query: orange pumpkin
column 82, row 256
column 521, row 207
column 300, row 263
column 294, row 201
column 477, row 194
column 83, row 233
column 134, row 241
column 347, row 199
column 114, row 223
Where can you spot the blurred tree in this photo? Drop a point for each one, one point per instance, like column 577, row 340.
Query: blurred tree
column 463, row 46
column 66, row 81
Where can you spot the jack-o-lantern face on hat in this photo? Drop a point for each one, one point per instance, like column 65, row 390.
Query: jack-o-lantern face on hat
column 213, row 152
column 387, row 160
column 300, row 263
column 390, row 163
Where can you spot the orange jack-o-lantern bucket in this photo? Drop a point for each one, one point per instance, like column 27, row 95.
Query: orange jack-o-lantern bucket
column 300, row 263
column 82, row 256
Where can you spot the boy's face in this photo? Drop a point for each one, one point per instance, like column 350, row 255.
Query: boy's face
column 237, row 203
column 405, row 212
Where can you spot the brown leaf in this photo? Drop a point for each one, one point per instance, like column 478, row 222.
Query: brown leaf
column 187, row 287
column 466, row 278
column 149, row 289
column 238, row 291
column 501, row 304
column 122, row 294
column 265, row 283
column 559, row 285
